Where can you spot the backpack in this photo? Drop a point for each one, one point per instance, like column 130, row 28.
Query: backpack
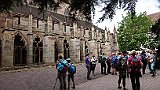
column 114, row 59
column 121, row 63
column 135, row 64
column 143, row 57
column 72, row 69
column 62, row 66
column 99, row 59
column 103, row 59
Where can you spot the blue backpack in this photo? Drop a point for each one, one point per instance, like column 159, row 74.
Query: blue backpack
column 62, row 66
column 114, row 59
column 72, row 69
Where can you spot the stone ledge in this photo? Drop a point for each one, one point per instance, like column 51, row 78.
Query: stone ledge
column 18, row 68
column 29, row 67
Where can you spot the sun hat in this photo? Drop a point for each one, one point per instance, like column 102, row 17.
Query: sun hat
column 133, row 52
column 68, row 59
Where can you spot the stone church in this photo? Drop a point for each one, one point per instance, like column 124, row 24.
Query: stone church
column 29, row 37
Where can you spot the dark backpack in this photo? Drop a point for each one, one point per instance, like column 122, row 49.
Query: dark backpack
column 99, row 59
column 62, row 66
column 122, row 63
column 103, row 59
column 135, row 64
column 72, row 69
column 143, row 57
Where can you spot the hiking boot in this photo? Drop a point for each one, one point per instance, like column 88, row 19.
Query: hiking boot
column 73, row 87
column 144, row 73
column 89, row 78
column 119, row 87
column 125, row 89
column 94, row 75
column 115, row 73
column 109, row 72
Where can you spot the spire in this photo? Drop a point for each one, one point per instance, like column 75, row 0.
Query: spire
column 114, row 29
column 105, row 28
column 108, row 30
column 30, row 10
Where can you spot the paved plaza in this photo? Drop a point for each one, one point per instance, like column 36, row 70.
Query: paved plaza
column 44, row 78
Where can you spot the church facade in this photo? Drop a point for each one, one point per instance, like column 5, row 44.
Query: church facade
column 28, row 37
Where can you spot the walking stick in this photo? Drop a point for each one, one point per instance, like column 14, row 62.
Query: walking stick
column 55, row 82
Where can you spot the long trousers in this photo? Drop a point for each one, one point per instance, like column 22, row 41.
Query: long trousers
column 144, row 67
column 88, row 71
column 123, row 79
column 135, row 80
column 103, row 68
column 71, row 76
column 62, row 80
column 109, row 67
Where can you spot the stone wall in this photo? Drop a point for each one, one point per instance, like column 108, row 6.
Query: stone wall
column 75, row 50
column 48, row 51
column 7, row 49
column 49, row 31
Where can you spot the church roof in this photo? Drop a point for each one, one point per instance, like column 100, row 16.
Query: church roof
column 154, row 16
column 55, row 16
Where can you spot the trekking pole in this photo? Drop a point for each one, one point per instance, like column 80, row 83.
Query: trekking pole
column 55, row 82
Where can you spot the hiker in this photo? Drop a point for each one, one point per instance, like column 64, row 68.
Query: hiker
column 125, row 55
column 109, row 60
column 103, row 65
column 99, row 58
column 122, row 69
column 62, row 68
column 88, row 66
column 114, row 64
column 144, row 61
column 71, row 73
column 93, row 64
column 148, row 56
column 153, row 62
column 135, row 65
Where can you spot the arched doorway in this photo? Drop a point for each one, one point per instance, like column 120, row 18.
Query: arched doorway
column 0, row 53
column 56, row 52
column 20, row 51
column 66, row 49
column 37, row 51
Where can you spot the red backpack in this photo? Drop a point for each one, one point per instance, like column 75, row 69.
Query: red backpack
column 135, row 64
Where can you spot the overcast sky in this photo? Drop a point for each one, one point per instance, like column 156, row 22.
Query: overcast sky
column 150, row 6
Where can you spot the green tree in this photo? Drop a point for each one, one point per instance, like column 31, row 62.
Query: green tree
column 133, row 31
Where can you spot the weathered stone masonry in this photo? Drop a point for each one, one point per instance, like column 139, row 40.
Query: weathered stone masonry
column 28, row 37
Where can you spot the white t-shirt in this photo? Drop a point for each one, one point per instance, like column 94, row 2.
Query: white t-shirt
column 93, row 60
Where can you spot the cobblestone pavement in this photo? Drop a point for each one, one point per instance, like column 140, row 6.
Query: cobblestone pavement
column 44, row 79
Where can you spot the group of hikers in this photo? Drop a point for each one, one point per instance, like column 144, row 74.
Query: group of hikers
column 65, row 67
column 124, row 64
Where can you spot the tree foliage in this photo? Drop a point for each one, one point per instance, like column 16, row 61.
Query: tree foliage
column 133, row 31
column 85, row 7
